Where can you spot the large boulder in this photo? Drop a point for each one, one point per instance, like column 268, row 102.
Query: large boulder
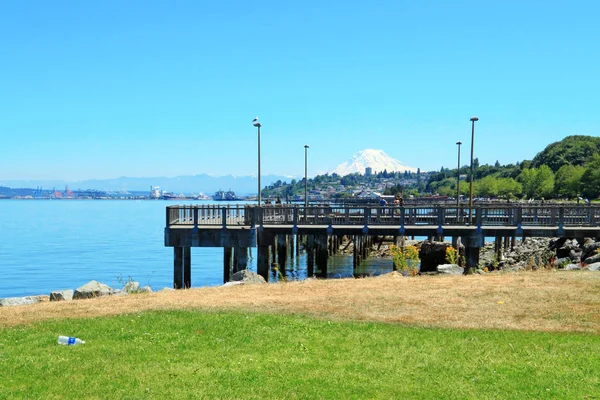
column 20, row 301
column 92, row 289
column 247, row 277
column 592, row 259
column 594, row 267
column 450, row 269
column 432, row 254
column 61, row 295
column 590, row 249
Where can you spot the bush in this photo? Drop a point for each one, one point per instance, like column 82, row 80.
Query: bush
column 405, row 260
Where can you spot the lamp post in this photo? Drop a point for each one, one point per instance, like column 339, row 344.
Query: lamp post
column 458, row 180
column 473, row 119
column 306, row 175
column 258, row 125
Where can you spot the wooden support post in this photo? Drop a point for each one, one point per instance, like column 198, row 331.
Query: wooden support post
column 227, row 264
column 236, row 252
column 262, row 261
column 178, row 267
column 499, row 255
column 187, row 267
column 472, row 245
column 282, row 247
column 355, row 253
column 310, row 255
column 472, row 257
column 273, row 243
column 506, row 242
column 513, row 241
column 242, row 259
column 322, row 255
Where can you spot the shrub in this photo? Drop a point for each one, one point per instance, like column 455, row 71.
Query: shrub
column 451, row 255
column 405, row 260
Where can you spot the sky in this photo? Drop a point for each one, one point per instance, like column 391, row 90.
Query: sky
column 103, row 89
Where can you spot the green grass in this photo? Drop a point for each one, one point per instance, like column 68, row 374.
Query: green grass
column 233, row 355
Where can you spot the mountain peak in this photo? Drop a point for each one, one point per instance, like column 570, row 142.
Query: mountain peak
column 378, row 160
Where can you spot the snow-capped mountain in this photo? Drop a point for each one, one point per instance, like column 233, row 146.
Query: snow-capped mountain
column 378, row 160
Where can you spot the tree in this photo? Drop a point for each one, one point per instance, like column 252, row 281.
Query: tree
column 508, row 187
column 527, row 179
column 488, row 187
column 591, row 178
column 544, row 180
column 537, row 182
column 568, row 180
column 572, row 150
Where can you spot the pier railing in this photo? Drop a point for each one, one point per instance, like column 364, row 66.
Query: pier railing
column 426, row 215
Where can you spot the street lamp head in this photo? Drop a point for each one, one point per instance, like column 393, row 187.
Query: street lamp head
column 473, row 119
column 459, row 143
column 255, row 122
column 306, row 146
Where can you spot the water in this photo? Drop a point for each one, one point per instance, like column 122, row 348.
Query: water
column 48, row 245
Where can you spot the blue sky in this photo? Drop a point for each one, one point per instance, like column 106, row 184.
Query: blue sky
column 164, row 88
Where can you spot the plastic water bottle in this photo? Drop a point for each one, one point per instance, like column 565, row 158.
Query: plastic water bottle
column 69, row 341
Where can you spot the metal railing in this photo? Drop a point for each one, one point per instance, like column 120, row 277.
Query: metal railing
column 427, row 215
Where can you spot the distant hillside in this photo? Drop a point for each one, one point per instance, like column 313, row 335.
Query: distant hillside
column 378, row 160
column 572, row 150
column 208, row 184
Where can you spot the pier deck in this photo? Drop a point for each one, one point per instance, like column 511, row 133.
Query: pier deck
column 238, row 227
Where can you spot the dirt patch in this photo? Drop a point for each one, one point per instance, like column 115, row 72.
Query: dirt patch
column 540, row 301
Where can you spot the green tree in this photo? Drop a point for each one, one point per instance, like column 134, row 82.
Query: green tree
column 568, row 180
column 508, row 187
column 527, row 179
column 591, row 178
column 572, row 150
column 488, row 186
column 544, row 181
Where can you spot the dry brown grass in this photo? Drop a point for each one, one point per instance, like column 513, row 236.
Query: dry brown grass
column 540, row 301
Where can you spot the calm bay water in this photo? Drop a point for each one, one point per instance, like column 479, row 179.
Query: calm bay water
column 48, row 245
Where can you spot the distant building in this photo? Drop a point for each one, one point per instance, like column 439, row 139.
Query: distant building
column 368, row 171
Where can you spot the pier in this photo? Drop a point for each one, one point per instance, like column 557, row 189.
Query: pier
column 277, row 230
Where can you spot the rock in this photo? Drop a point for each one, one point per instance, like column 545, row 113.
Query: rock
column 590, row 250
column 131, row 287
column 62, row 295
column 233, row 283
column 20, row 301
column 118, row 292
column 557, row 243
column 562, row 261
column 432, row 254
column 92, row 289
column 166, row 289
column 451, row 269
column 594, row 267
column 145, row 289
column 572, row 267
column 592, row 259
column 247, row 277
column 575, row 255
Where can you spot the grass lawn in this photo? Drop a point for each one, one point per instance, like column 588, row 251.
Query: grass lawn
column 225, row 354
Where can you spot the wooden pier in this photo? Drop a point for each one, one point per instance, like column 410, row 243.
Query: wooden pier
column 272, row 229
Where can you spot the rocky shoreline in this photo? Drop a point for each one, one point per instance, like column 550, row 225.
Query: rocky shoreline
column 528, row 254
column 94, row 289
